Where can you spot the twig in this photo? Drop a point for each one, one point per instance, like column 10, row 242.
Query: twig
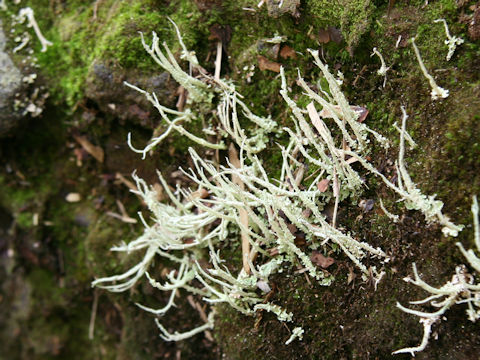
column 336, row 193
column 218, row 61
column 234, row 160
column 93, row 315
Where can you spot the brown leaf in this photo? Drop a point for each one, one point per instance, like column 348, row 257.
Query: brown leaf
column 320, row 260
column 292, row 228
column 300, row 239
column 221, row 33
column 200, row 193
column 323, row 36
column 361, row 111
column 322, row 185
column 265, row 64
column 351, row 275
column 306, row 213
column 288, row 52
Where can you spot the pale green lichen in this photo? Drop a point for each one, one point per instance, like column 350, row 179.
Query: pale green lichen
column 195, row 226
column 463, row 288
column 240, row 197
column 297, row 333
column 410, row 194
column 28, row 14
column 452, row 41
column 383, row 68
column 437, row 91
column 200, row 92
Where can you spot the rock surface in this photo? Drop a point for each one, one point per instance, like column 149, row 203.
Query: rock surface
column 10, row 83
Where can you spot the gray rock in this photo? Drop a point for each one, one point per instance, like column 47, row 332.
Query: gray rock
column 105, row 86
column 10, row 84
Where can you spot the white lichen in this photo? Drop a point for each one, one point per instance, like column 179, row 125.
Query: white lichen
column 409, row 193
column 452, row 41
column 297, row 333
column 383, row 68
column 28, row 14
column 23, row 42
column 463, row 288
column 437, row 91
column 192, row 231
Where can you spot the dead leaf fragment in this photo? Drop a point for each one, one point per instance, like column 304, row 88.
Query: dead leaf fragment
column 265, row 64
column 320, row 260
column 292, row 228
column 95, row 151
column 221, row 33
column 323, row 36
column 351, row 275
column 322, row 185
column 287, row 52
column 199, row 194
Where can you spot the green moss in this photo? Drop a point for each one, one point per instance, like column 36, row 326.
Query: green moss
column 353, row 17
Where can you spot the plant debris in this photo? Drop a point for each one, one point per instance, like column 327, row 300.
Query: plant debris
column 265, row 64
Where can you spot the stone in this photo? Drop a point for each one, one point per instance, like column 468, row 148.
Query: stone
column 10, row 84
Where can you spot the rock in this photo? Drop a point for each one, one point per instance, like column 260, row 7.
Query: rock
column 105, row 87
column 277, row 8
column 10, row 84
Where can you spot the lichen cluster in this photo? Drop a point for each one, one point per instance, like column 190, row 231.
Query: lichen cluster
column 240, row 198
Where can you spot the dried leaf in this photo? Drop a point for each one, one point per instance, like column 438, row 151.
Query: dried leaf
column 199, row 194
column 320, row 260
column 265, row 64
column 125, row 219
column 221, row 33
column 160, row 191
column 292, row 228
column 306, row 213
column 288, row 52
column 322, row 185
column 351, row 275
column 323, row 36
